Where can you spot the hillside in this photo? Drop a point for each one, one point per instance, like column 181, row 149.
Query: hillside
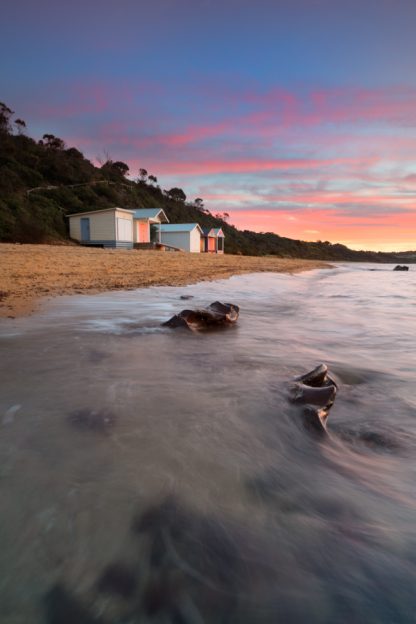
column 41, row 182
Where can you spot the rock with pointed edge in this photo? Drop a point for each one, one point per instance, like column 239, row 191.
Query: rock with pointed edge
column 215, row 315
column 316, row 391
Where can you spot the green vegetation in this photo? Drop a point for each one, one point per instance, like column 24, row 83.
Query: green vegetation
column 41, row 182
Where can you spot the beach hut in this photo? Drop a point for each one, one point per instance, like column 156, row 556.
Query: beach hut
column 220, row 239
column 184, row 236
column 146, row 225
column 111, row 227
column 212, row 240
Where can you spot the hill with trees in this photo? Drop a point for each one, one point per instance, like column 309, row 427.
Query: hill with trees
column 42, row 181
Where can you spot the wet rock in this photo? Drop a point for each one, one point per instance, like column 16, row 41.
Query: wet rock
column 207, row 565
column 314, row 420
column 316, row 390
column 378, row 440
column 166, row 515
column 161, row 594
column 86, row 419
column 118, row 579
column 374, row 440
column 317, row 377
column 401, row 267
column 217, row 314
column 199, row 545
column 63, row 608
column 186, row 297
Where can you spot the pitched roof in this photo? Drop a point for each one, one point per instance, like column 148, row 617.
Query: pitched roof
column 88, row 212
column 207, row 230
column 180, row 227
column 150, row 213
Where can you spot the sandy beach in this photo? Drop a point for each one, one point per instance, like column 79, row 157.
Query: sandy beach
column 29, row 273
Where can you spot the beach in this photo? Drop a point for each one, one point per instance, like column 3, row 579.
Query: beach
column 29, row 273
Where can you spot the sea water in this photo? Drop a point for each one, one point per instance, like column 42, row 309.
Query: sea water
column 158, row 475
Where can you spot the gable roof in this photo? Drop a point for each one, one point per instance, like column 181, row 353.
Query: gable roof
column 207, row 231
column 88, row 212
column 150, row 213
column 180, row 227
column 219, row 232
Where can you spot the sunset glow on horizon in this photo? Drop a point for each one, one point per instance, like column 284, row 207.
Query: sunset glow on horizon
column 295, row 117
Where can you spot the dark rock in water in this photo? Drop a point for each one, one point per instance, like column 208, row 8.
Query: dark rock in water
column 314, row 420
column 215, row 315
column 118, row 579
column 229, row 310
column 317, row 391
column 165, row 516
column 401, row 267
column 377, row 440
column 62, row 608
column 317, row 377
column 180, row 533
column 321, row 397
column 207, row 564
column 161, row 594
column 186, row 297
column 374, row 440
column 92, row 420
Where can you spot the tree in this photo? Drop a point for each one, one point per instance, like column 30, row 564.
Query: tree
column 72, row 152
column 222, row 216
column 199, row 203
column 143, row 174
column 21, row 125
column 176, row 194
column 120, row 167
column 5, row 115
column 153, row 179
column 52, row 142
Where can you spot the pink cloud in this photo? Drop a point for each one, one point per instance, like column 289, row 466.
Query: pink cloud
column 255, row 165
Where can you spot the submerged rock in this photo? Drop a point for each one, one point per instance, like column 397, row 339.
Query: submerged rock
column 199, row 546
column 63, row 608
column 118, row 579
column 215, row 315
column 374, row 440
column 401, row 267
column 316, row 390
column 92, row 420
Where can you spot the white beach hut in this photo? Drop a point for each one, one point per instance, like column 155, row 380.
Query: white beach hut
column 185, row 236
column 111, row 227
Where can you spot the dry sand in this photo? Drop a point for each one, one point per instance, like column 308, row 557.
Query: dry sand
column 30, row 272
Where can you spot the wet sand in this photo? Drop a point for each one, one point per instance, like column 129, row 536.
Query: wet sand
column 29, row 273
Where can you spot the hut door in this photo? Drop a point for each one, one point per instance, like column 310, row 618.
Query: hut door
column 85, row 229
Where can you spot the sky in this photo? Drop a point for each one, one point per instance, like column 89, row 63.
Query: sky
column 294, row 116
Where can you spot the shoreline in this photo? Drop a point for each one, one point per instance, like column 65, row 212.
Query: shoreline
column 30, row 273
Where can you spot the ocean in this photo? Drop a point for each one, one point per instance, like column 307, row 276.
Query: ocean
column 158, row 475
